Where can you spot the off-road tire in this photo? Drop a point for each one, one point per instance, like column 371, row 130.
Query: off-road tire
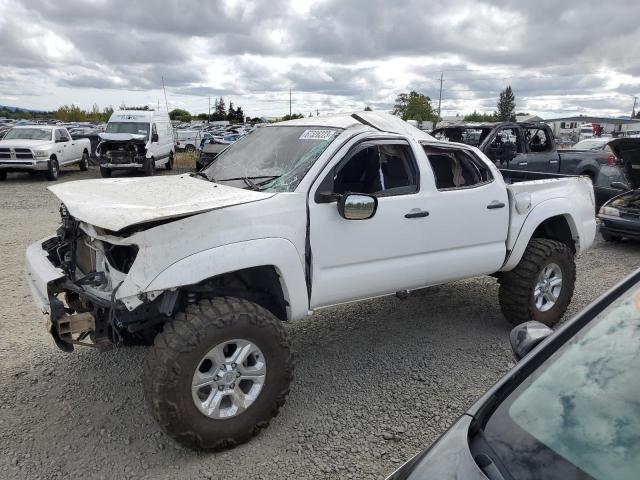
column 517, row 286
column 3, row 175
column 53, row 169
column 177, row 351
column 190, row 148
column 149, row 167
column 105, row 172
column 610, row 238
column 84, row 162
column 169, row 164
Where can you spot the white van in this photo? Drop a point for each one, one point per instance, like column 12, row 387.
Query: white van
column 136, row 139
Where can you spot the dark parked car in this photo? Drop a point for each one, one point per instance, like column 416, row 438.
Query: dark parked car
column 568, row 410
column 530, row 147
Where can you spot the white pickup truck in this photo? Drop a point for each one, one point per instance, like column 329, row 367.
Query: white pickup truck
column 41, row 148
column 297, row 216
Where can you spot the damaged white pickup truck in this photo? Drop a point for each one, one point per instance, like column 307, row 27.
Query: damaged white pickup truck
column 295, row 217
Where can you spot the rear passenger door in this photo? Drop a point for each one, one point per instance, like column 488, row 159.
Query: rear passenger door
column 468, row 214
column 540, row 155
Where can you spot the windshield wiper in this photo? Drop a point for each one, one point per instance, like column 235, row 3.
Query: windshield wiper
column 248, row 180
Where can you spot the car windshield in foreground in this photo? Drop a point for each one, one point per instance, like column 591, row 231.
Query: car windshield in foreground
column 28, row 134
column 578, row 415
column 274, row 159
column 588, row 145
column 135, row 128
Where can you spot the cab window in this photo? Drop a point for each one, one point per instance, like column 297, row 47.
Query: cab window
column 537, row 140
column 380, row 168
column 505, row 145
column 456, row 169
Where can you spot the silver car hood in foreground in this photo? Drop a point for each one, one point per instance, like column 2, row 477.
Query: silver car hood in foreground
column 117, row 203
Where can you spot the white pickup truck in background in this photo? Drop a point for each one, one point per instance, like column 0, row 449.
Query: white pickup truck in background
column 298, row 216
column 41, row 148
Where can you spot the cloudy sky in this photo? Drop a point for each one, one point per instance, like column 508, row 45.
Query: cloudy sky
column 561, row 58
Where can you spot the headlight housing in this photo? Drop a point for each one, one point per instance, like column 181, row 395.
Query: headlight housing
column 610, row 211
column 40, row 153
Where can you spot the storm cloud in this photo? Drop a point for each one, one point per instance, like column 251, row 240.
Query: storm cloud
column 560, row 57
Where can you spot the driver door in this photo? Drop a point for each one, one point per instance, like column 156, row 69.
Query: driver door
column 355, row 259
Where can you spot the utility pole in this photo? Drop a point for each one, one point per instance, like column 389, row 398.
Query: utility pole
column 633, row 110
column 439, row 99
column 289, row 103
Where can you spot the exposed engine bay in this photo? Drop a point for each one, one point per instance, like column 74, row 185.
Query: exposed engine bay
column 121, row 152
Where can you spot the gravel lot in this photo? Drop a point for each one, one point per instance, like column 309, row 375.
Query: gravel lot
column 375, row 382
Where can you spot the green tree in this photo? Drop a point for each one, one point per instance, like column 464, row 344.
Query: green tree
column 292, row 117
column 180, row 114
column 480, row 117
column 506, row 106
column 414, row 106
column 367, row 108
column 220, row 110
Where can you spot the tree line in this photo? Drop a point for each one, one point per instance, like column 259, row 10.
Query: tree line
column 417, row 106
column 220, row 112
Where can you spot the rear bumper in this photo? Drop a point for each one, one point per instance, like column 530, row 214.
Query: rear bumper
column 620, row 227
column 23, row 165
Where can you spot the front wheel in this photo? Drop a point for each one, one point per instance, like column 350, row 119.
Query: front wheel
column 540, row 287
column 218, row 373
column 149, row 166
column 84, row 162
column 3, row 175
column 52, row 169
column 169, row 164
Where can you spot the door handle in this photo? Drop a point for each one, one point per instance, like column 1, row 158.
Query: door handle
column 415, row 213
column 522, row 164
column 495, row 204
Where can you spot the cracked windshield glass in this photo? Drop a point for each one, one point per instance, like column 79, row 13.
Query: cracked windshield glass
column 271, row 159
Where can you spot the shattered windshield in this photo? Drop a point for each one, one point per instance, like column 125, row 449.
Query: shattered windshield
column 28, row 134
column 473, row 136
column 273, row 159
column 136, row 128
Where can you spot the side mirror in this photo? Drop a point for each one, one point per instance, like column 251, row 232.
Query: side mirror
column 356, row 206
column 154, row 137
column 526, row 336
column 619, row 186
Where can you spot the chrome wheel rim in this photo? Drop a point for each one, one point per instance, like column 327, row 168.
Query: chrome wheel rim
column 548, row 287
column 228, row 379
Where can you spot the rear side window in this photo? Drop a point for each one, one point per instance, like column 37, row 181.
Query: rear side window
column 381, row 168
column 537, row 140
column 456, row 169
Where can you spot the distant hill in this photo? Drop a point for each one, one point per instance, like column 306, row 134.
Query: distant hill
column 10, row 111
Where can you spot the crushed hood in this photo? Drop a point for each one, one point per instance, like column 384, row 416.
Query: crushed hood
column 121, row 137
column 117, row 203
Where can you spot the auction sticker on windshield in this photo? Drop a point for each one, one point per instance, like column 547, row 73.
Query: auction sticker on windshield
column 313, row 134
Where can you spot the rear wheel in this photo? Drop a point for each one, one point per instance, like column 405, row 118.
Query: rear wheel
column 610, row 238
column 149, row 166
column 84, row 162
column 105, row 172
column 3, row 175
column 218, row 373
column 541, row 286
column 53, row 169
column 169, row 164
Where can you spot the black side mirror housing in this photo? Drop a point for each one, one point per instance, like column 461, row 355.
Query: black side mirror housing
column 154, row 137
column 526, row 336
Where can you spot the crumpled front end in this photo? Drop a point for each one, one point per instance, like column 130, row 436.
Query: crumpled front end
column 122, row 153
column 74, row 278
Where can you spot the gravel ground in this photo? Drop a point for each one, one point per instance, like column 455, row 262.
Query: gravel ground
column 375, row 382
